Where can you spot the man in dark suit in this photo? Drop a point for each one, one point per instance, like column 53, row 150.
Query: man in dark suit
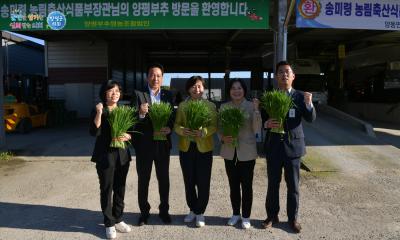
column 147, row 149
column 285, row 150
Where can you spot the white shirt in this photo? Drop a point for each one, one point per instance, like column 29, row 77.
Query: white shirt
column 155, row 98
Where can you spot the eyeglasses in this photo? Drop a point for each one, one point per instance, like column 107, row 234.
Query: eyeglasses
column 287, row 72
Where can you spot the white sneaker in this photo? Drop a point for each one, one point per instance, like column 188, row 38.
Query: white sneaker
column 233, row 220
column 111, row 233
column 246, row 223
column 190, row 217
column 200, row 222
column 122, row 227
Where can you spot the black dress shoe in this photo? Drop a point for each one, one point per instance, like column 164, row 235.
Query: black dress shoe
column 295, row 226
column 267, row 223
column 142, row 220
column 165, row 217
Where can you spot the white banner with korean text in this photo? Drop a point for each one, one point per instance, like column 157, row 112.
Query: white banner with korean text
column 348, row 14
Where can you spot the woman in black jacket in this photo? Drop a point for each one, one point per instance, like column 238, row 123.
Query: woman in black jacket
column 112, row 164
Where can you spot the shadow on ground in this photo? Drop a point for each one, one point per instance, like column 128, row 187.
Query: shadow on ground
column 61, row 219
column 50, row 218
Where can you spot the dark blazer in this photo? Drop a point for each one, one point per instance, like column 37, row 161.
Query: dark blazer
column 143, row 135
column 103, row 154
column 293, row 138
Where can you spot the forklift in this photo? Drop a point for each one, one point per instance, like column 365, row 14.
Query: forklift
column 25, row 103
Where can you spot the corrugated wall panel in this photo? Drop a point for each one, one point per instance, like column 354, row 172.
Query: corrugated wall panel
column 77, row 75
column 79, row 97
column 75, row 70
column 96, row 91
column 56, row 91
column 25, row 60
column 67, row 54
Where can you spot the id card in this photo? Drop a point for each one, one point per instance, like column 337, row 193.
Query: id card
column 292, row 113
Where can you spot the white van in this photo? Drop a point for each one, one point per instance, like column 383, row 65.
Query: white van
column 308, row 77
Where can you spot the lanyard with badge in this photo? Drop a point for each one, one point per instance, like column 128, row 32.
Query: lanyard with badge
column 292, row 111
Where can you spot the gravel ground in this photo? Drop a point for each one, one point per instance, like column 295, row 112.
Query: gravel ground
column 56, row 198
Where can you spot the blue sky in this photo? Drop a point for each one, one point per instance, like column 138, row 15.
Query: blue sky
column 168, row 76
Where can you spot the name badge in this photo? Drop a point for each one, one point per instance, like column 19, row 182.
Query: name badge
column 292, row 113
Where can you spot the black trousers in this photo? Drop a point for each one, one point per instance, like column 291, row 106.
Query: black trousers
column 278, row 161
column 196, row 169
column 112, row 191
column 160, row 154
column 240, row 175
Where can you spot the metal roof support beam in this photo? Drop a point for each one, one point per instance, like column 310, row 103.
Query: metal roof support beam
column 2, row 133
column 280, row 32
column 209, row 76
column 362, row 35
column 232, row 37
column 280, row 35
column 228, row 51
column 165, row 35
column 281, row 25
column 289, row 12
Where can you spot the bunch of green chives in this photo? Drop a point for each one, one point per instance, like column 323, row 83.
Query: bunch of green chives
column 159, row 114
column 121, row 119
column 197, row 114
column 231, row 120
column 276, row 104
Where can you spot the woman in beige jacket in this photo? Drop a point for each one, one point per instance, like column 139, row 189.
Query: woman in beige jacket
column 240, row 161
